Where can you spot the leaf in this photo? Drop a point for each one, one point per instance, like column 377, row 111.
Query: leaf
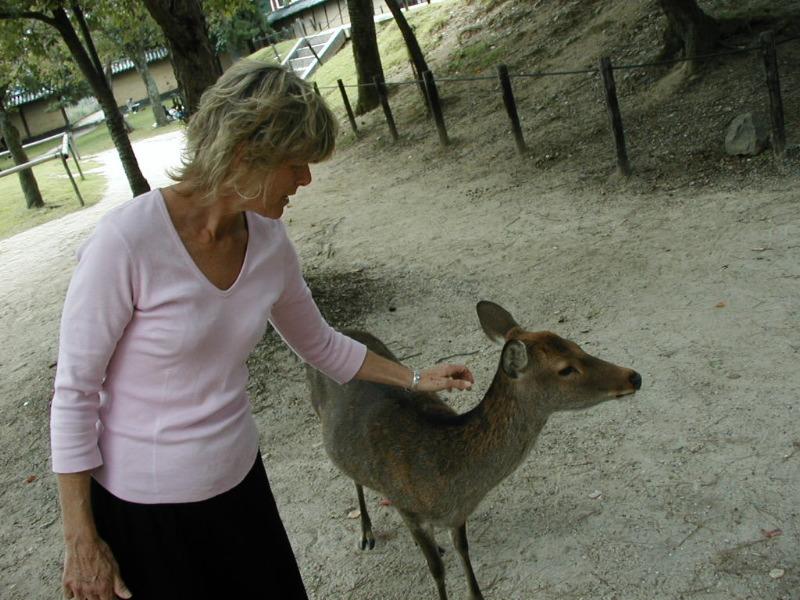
column 354, row 514
column 771, row 533
column 720, row 304
column 777, row 573
column 31, row 478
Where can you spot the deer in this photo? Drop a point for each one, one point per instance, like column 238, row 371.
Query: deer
column 435, row 465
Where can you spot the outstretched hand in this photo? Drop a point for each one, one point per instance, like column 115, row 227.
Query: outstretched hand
column 445, row 377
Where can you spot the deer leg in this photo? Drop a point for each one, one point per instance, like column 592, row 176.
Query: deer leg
column 459, row 535
column 366, row 524
column 430, row 549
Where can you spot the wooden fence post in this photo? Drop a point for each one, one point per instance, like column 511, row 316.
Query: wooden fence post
column 387, row 111
column 775, row 102
column 614, row 115
column 350, row 116
column 421, row 88
column 436, row 107
column 71, row 178
column 511, row 107
column 310, row 47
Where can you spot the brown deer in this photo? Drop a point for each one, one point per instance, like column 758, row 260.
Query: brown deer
column 436, row 465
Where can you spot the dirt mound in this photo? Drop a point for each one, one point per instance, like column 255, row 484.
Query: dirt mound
column 675, row 120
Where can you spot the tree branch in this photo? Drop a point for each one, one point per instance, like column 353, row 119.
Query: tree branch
column 25, row 14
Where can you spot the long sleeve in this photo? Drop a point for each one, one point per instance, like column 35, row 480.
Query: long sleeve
column 98, row 306
column 297, row 319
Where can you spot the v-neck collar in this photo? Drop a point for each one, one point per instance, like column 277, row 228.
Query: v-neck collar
column 162, row 202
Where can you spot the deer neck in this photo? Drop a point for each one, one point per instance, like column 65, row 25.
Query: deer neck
column 502, row 429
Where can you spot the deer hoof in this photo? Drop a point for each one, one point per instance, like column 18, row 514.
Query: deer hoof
column 367, row 540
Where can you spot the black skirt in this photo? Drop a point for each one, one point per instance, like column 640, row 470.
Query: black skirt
column 230, row 546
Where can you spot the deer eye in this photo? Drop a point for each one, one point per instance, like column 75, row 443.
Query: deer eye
column 566, row 371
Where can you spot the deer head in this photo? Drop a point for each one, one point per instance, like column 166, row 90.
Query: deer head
column 555, row 373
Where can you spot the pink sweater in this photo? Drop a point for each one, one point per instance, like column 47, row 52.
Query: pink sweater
column 150, row 388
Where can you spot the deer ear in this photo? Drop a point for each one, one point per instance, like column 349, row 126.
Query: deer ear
column 514, row 359
column 495, row 320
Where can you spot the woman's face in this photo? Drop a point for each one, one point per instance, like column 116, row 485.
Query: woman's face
column 277, row 186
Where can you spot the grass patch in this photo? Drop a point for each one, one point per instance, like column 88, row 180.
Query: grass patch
column 267, row 54
column 394, row 57
column 56, row 191
column 475, row 58
column 53, row 183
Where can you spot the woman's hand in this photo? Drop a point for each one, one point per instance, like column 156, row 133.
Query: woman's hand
column 378, row 369
column 445, row 377
column 91, row 572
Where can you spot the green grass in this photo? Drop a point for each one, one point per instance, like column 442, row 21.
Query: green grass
column 268, row 55
column 57, row 192
column 53, row 182
column 394, row 57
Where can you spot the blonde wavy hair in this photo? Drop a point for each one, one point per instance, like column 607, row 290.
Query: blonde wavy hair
column 260, row 114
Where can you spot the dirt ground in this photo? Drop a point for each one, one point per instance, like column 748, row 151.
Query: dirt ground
column 696, row 289
column 688, row 273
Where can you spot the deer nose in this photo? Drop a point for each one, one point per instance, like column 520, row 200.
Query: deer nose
column 636, row 380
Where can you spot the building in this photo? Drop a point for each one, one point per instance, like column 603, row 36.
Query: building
column 305, row 17
column 35, row 116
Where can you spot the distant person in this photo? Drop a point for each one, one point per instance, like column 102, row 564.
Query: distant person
column 162, row 487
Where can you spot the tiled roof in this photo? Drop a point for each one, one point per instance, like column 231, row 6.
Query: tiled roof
column 291, row 9
column 22, row 96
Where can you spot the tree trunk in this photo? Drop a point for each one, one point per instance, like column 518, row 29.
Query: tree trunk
column 101, row 91
column 365, row 53
column 140, row 62
column 33, row 197
column 193, row 57
column 414, row 51
column 690, row 29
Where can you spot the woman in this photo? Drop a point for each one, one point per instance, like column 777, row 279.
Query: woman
column 162, row 487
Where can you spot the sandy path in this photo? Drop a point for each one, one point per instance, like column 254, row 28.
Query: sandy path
column 37, row 264
column 696, row 289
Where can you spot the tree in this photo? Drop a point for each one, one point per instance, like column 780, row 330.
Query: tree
column 690, row 31
column 414, row 51
column 365, row 53
column 233, row 26
column 10, row 134
column 54, row 13
column 45, row 68
column 128, row 31
column 184, row 26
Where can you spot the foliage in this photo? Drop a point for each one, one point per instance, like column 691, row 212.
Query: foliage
column 125, row 28
column 233, row 23
column 47, row 65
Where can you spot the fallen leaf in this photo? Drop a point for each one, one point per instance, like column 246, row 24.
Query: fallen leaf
column 720, row 304
column 777, row 573
column 595, row 494
column 31, row 479
column 354, row 514
column 771, row 533
column 385, row 502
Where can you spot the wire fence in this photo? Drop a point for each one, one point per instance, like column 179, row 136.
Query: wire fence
column 427, row 85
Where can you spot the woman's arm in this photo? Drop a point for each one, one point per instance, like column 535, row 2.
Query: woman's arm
column 90, row 570
column 378, row 369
